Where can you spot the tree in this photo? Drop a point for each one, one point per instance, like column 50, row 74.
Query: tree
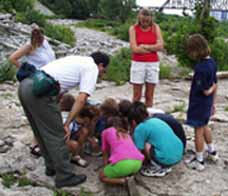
column 206, row 24
column 116, row 10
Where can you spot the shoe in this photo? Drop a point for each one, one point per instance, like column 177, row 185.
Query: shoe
column 35, row 150
column 72, row 181
column 196, row 165
column 212, row 156
column 150, row 172
column 50, row 172
column 190, row 158
column 167, row 169
column 79, row 161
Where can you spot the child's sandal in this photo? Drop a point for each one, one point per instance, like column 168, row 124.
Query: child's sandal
column 79, row 161
column 35, row 150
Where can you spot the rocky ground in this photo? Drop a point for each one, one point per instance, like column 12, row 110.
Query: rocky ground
column 171, row 96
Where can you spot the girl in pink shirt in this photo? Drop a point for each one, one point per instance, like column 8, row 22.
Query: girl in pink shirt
column 120, row 155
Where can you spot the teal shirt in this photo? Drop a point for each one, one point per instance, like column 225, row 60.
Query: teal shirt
column 167, row 146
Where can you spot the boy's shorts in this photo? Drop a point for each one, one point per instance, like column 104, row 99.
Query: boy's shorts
column 122, row 168
column 142, row 72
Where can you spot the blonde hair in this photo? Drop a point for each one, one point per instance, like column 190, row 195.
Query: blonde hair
column 197, row 47
column 37, row 38
column 145, row 12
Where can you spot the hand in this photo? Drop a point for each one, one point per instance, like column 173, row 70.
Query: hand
column 67, row 132
column 213, row 110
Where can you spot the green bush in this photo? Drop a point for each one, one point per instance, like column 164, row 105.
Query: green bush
column 165, row 71
column 61, row 33
column 7, row 72
column 119, row 67
column 17, row 5
column 31, row 16
column 220, row 53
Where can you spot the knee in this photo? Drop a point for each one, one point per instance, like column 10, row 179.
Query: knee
column 101, row 176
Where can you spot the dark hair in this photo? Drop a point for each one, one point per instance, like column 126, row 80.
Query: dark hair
column 89, row 111
column 66, row 102
column 100, row 57
column 124, row 107
column 109, row 108
column 197, row 47
column 37, row 38
column 137, row 112
column 119, row 124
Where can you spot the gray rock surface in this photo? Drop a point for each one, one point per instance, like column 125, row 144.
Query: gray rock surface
column 181, row 181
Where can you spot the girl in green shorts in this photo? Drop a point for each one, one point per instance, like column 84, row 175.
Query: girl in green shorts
column 120, row 155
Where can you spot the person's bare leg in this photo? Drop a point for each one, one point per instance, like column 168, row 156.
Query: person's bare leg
column 107, row 180
column 149, row 94
column 199, row 139
column 137, row 92
column 207, row 135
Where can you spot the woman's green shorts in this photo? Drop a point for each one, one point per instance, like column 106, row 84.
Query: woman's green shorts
column 122, row 168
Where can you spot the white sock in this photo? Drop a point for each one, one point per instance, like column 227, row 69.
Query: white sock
column 199, row 156
column 211, row 147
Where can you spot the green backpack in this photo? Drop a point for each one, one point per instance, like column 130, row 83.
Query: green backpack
column 44, row 85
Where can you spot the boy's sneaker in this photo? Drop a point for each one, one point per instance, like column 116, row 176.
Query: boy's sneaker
column 212, row 156
column 153, row 172
column 197, row 165
column 167, row 169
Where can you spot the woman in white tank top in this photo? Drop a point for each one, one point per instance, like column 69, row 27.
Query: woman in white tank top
column 38, row 53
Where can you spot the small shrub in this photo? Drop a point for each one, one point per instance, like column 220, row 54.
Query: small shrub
column 18, row 5
column 8, row 180
column 179, row 107
column 31, row 16
column 220, row 52
column 61, row 33
column 226, row 109
column 165, row 71
column 119, row 68
column 7, row 72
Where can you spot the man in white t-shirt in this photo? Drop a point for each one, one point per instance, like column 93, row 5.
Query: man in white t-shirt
column 44, row 115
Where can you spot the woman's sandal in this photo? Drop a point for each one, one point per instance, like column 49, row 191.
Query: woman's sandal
column 35, row 150
column 79, row 161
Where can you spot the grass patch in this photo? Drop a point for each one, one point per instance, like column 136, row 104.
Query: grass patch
column 119, row 67
column 61, row 33
column 84, row 192
column 165, row 71
column 8, row 180
column 178, row 108
column 7, row 72
column 226, row 109
column 61, row 193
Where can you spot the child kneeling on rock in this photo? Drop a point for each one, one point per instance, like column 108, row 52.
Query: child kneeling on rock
column 79, row 128
column 120, row 155
column 156, row 139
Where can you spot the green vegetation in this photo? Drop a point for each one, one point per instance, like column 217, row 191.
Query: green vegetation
column 226, row 109
column 119, row 67
column 165, row 71
column 7, row 71
column 60, row 32
column 82, row 9
column 8, row 180
column 16, row 5
column 84, row 192
column 26, row 14
column 178, row 107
